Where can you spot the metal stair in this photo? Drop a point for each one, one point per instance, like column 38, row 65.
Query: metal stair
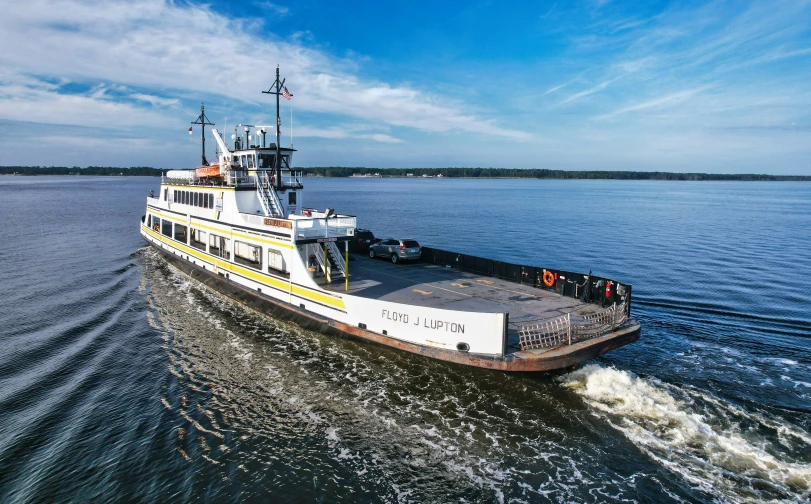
column 337, row 265
column 271, row 205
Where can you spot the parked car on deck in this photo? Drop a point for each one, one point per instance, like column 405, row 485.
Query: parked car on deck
column 396, row 250
column 361, row 241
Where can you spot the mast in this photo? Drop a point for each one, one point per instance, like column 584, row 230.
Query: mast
column 202, row 120
column 278, row 91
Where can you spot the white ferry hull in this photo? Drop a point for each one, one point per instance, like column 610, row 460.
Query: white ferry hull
column 310, row 308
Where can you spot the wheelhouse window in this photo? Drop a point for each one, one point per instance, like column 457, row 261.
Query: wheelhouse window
column 250, row 161
column 181, row 233
column 166, row 227
column 218, row 246
column 267, row 161
column 166, row 194
column 198, row 239
column 248, row 254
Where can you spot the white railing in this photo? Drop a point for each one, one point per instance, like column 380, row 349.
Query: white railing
column 337, row 256
column 571, row 328
column 316, row 227
column 239, row 178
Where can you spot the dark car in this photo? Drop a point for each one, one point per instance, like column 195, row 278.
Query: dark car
column 361, row 240
column 396, row 250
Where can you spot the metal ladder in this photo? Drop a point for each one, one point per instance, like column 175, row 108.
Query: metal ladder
column 268, row 198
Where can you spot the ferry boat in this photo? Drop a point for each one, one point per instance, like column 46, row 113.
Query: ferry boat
column 240, row 226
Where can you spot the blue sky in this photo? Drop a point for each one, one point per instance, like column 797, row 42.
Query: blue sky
column 719, row 87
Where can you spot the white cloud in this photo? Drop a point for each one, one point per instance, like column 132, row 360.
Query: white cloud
column 670, row 99
column 158, row 45
column 156, row 100
column 29, row 101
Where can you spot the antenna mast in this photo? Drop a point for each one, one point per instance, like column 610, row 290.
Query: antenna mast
column 277, row 85
column 203, row 121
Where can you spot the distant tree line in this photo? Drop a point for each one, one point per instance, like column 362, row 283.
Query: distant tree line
column 342, row 171
column 135, row 171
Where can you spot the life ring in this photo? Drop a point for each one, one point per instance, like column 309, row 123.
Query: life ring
column 548, row 278
column 307, row 213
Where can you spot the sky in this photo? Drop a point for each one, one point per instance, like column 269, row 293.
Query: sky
column 717, row 87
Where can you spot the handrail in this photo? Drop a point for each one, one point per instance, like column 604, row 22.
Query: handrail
column 571, row 328
column 337, row 257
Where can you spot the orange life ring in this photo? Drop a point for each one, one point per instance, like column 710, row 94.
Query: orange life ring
column 548, row 278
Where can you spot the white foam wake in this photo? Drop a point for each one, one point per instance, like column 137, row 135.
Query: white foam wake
column 717, row 446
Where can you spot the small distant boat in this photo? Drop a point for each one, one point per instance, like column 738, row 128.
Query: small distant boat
column 239, row 225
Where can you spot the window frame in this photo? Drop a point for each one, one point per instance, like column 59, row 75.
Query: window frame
column 245, row 261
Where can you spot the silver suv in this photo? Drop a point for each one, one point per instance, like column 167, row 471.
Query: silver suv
column 396, row 250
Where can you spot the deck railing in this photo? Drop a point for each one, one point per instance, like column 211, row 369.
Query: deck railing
column 571, row 328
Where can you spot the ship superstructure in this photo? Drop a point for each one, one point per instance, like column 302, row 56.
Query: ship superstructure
column 240, row 225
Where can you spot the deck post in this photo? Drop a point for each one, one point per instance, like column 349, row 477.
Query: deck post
column 569, row 326
column 346, row 262
column 505, row 334
column 327, row 269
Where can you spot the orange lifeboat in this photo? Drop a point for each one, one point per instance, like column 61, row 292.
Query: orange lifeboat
column 212, row 170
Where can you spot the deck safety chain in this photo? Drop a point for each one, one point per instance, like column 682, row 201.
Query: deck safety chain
column 571, row 328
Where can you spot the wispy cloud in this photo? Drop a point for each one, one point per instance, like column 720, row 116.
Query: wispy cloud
column 156, row 44
column 588, row 92
column 667, row 100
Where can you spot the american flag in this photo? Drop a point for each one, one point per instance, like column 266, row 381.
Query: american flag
column 287, row 94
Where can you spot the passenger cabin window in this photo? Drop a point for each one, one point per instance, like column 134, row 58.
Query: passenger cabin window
column 166, row 227
column 166, row 194
column 247, row 254
column 198, row 239
column 210, row 201
column 156, row 224
column 275, row 260
column 218, row 246
column 291, row 198
column 180, row 233
column 196, row 198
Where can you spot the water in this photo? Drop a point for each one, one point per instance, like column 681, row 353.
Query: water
column 121, row 379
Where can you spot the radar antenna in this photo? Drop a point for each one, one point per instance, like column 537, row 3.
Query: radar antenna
column 202, row 120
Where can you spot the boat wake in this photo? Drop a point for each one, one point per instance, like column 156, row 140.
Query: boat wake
column 725, row 450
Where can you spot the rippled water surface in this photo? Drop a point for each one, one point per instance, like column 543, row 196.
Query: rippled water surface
column 123, row 380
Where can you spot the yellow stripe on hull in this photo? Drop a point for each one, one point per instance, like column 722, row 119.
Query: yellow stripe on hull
column 297, row 290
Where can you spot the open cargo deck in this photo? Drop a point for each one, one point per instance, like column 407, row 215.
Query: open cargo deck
column 431, row 285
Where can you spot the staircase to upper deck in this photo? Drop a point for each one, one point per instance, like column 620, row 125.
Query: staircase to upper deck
column 337, row 264
column 269, row 200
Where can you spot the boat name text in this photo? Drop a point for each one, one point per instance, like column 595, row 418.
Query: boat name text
column 428, row 323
